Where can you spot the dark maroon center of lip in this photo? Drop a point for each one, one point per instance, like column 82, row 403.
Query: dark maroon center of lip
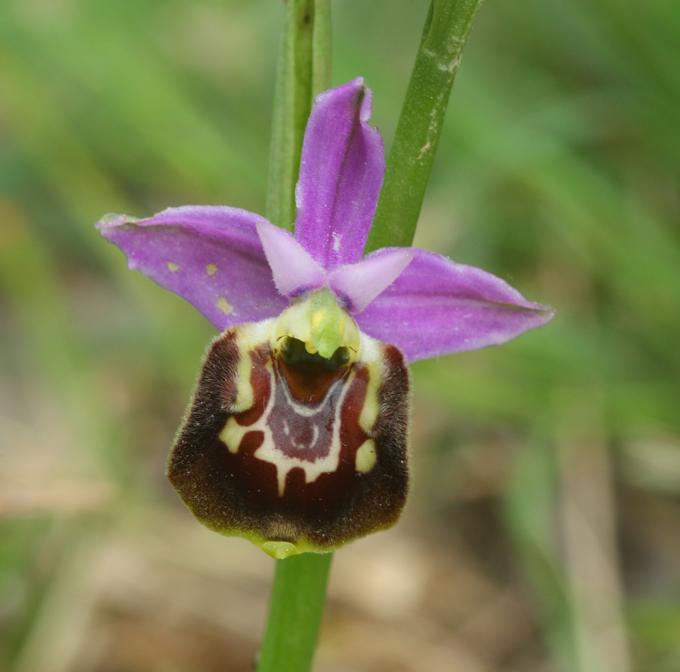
column 310, row 376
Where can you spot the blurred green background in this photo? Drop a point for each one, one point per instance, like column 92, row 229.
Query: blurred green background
column 543, row 531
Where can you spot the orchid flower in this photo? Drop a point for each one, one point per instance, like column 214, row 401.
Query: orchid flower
column 296, row 436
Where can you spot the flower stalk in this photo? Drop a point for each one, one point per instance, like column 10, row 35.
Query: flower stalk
column 299, row 590
column 298, row 593
column 422, row 116
column 303, row 70
column 297, row 605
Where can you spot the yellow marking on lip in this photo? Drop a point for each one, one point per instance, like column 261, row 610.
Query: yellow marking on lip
column 211, row 269
column 224, row 305
column 366, row 457
column 232, row 435
column 245, row 395
column 173, row 267
column 371, row 407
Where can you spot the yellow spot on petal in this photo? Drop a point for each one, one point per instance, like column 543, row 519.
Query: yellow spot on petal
column 224, row 305
column 366, row 457
column 211, row 269
column 173, row 267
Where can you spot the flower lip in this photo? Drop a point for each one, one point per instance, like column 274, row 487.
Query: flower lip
column 294, row 463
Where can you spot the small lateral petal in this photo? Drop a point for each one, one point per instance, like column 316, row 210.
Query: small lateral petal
column 293, row 268
column 436, row 307
column 209, row 255
column 341, row 172
column 358, row 284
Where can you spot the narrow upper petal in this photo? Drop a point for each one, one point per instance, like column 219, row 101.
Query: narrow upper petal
column 341, row 173
column 358, row 284
column 437, row 307
column 293, row 268
column 209, row 255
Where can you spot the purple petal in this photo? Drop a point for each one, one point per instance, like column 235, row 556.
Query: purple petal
column 209, row 255
column 359, row 283
column 341, row 173
column 293, row 268
column 437, row 307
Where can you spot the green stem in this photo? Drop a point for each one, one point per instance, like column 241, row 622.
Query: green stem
column 321, row 56
column 299, row 588
column 422, row 116
column 304, row 70
column 295, row 614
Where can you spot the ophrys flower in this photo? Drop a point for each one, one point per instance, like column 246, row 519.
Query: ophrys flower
column 296, row 436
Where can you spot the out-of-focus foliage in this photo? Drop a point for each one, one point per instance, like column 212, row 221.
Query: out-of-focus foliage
column 543, row 529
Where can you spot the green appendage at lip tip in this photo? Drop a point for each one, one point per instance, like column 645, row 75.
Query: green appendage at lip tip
column 278, row 550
